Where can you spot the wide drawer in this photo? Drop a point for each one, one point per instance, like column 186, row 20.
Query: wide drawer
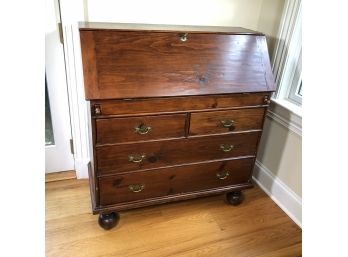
column 137, row 156
column 226, row 121
column 135, row 106
column 171, row 181
column 116, row 130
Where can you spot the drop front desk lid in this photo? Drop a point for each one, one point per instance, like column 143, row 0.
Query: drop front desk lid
column 144, row 60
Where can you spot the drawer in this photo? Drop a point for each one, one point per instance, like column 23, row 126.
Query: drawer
column 226, row 121
column 171, row 181
column 177, row 104
column 138, row 156
column 116, row 130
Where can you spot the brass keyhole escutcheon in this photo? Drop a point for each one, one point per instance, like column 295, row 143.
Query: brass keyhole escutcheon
column 183, row 37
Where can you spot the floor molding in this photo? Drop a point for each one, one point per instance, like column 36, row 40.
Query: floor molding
column 58, row 176
column 281, row 194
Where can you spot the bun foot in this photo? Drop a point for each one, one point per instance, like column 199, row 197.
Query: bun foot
column 235, row 198
column 109, row 220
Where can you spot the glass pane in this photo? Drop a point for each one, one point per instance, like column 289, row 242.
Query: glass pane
column 49, row 139
column 299, row 92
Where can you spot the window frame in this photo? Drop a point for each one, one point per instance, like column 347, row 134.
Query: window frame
column 287, row 58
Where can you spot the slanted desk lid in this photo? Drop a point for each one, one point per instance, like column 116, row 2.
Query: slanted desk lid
column 126, row 63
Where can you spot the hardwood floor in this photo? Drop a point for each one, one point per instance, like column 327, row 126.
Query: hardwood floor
column 202, row 227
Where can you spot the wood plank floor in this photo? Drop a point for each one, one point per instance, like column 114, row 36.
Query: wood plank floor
column 205, row 227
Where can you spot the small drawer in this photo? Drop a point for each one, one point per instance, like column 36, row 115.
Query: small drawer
column 139, row 156
column 226, row 121
column 171, row 181
column 106, row 108
column 131, row 129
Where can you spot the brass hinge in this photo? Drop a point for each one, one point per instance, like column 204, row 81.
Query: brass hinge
column 72, row 146
column 60, row 30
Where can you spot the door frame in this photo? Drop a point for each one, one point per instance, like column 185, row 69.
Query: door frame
column 71, row 13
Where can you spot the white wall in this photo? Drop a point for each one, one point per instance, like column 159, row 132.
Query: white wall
column 190, row 12
column 261, row 15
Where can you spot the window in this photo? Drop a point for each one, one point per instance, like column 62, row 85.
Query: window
column 287, row 59
column 295, row 91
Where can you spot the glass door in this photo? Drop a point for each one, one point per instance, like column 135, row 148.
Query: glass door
column 58, row 156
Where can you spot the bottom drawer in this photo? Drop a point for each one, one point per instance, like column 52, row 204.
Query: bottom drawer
column 170, row 181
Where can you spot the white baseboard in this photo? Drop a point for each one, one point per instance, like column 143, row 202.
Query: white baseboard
column 81, row 168
column 281, row 194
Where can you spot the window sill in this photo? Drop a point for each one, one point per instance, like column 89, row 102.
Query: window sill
column 293, row 108
column 287, row 114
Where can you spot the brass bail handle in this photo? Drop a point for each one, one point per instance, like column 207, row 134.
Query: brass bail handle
column 136, row 158
column 227, row 123
column 142, row 129
column 267, row 100
column 136, row 188
column 226, row 147
column 222, row 174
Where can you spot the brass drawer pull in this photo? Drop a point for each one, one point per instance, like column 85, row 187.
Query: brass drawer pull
column 227, row 123
column 97, row 109
column 183, row 37
column 136, row 188
column 142, row 129
column 136, row 158
column 266, row 100
column 226, row 147
column 222, row 174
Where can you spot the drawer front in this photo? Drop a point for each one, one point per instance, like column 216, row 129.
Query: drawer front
column 137, row 156
column 177, row 104
column 171, row 181
column 151, row 64
column 226, row 121
column 117, row 130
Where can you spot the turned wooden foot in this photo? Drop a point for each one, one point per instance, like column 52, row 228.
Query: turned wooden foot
column 235, row 197
column 108, row 220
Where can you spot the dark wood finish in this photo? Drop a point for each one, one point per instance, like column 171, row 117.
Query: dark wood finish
column 108, row 220
column 118, row 130
column 174, row 181
column 154, row 64
column 115, row 159
column 128, row 107
column 89, row 63
column 235, row 198
column 176, row 112
column 214, row 122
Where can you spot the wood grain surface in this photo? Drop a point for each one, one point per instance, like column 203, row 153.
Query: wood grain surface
column 130, row 64
column 178, row 104
column 205, row 227
column 205, row 123
column 118, row 130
